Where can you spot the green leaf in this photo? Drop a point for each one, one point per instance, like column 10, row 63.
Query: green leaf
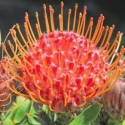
column 102, row 118
column 87, row 116
column 52, row 115
column 123, row 123
column 35, row 120
column 26, row 123
column 24, row 107
column 8, row 122
column 113, row 122
column 31, row 120
column 32, row 109
column 18, row 111
column 23, row 113
column 7, row 118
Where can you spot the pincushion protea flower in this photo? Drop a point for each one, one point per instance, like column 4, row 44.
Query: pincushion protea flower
column 114, row 99
column 64, row 68
column 5, row 95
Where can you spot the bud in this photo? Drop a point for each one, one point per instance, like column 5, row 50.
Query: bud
column 115, row 98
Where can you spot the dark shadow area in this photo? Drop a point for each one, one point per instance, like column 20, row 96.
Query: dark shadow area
column 12, row 12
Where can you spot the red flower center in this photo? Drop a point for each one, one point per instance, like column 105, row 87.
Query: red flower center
column 63, row 66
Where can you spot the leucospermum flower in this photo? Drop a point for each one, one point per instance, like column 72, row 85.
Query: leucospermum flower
column 5, row 94
column 64, row 68
column 115, row 98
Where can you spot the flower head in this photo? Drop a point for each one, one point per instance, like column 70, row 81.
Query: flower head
column 5, row 95
column 64, row 69
column 115, row 98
